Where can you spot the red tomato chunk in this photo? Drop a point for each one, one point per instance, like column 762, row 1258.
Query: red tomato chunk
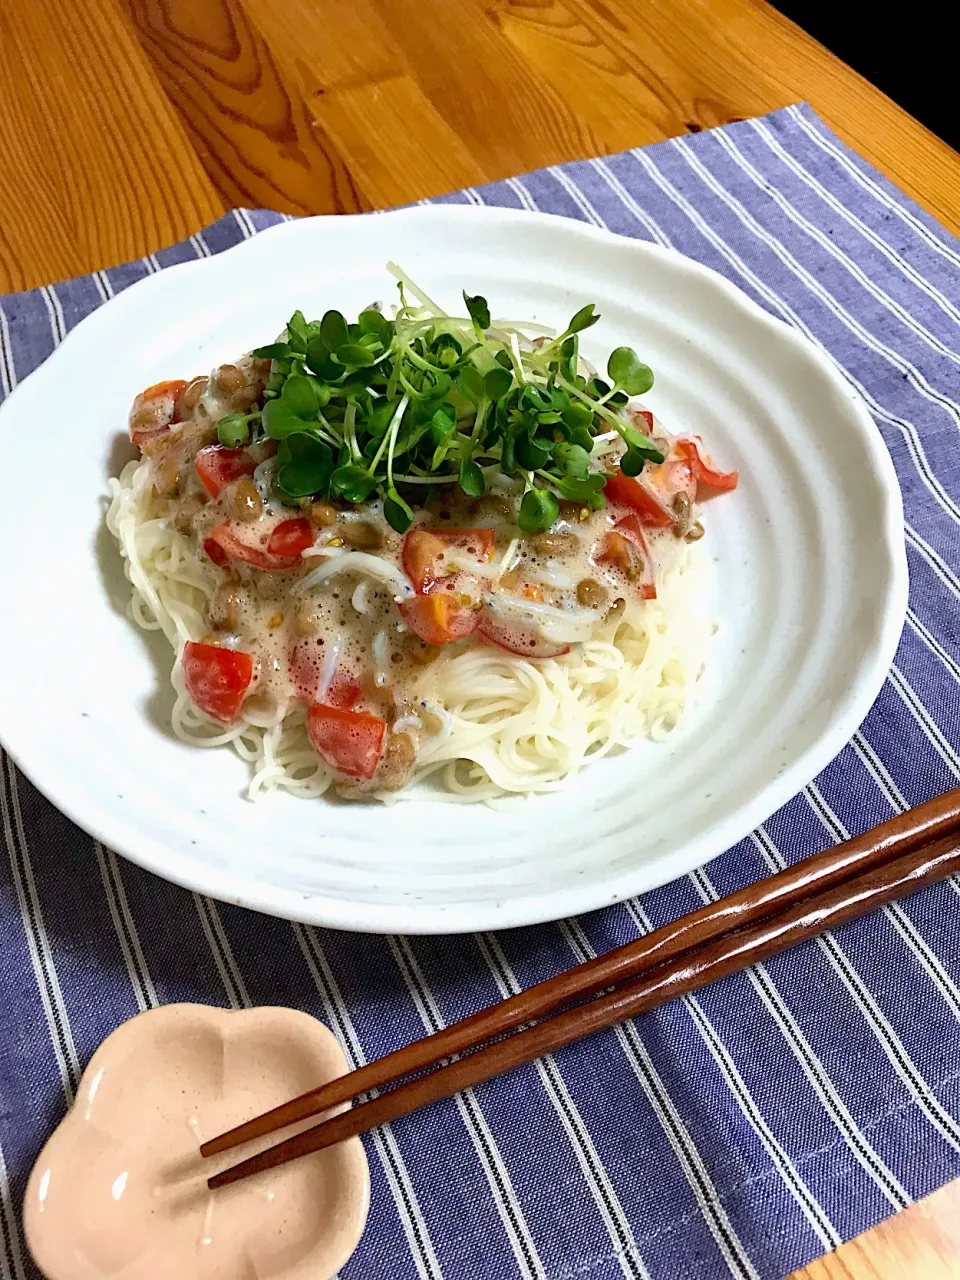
column 217, row 467
column 349, row 741
column 710, row 481
column 217, row 679
column 283, row 548
column 155, row 410
column 439, row 618
column 423, row 551
column 626, row 491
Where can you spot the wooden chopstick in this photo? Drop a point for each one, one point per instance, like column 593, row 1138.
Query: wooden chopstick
column 821, row 911
column 758, row 901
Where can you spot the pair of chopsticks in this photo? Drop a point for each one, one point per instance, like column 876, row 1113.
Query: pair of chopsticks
column 889, row 862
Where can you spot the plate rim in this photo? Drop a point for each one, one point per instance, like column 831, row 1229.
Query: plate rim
column 139, row 847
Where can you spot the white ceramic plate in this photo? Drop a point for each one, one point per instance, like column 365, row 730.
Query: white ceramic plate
column 810, row 571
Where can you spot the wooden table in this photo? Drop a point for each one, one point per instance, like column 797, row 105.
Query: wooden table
column 128, row 124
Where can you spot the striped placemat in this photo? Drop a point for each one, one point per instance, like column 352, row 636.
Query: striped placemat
column 742, row 1131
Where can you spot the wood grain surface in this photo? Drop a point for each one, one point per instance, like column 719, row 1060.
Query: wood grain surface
column 126, row 125
column 921, row 1243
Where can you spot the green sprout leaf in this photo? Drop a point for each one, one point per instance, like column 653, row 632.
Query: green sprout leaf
column 320, row 363
column 478, row 310
column 306, row 466
column 373, row 324
column 584, row 318
column 639, row 443
column 442, row 425
column 568, row 357
column 531, row 454
column 575, row 490
column 357, row 382
column 297, row 332
column 538, row 510
column 276, row 378
column 536, row 397
column 233, row 430
column 279, row 421
column 436, row 385
column 631, row 464
column 576, row 414
column 273, row 351
column 381, row 415
column 472, row 480
column 333, row 330
column 446, row 350
column 398, row 514
column 300, row 397
column 354, row 356
column 352, row 482
column 409, row 436
column 628, row 372
column 508, row 455
column 471, row 383
column 572, row 460
column 496, row 383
